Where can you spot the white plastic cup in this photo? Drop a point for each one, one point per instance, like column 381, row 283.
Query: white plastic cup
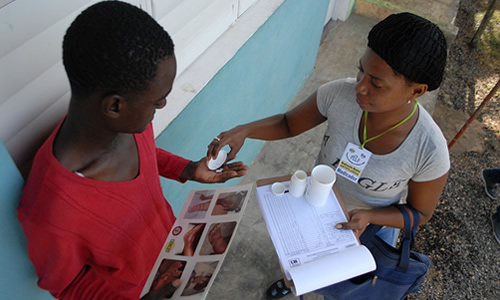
column 278, row 188
column 298, row 183
column 320, row 184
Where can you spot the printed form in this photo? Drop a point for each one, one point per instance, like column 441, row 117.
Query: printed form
column 308, row 243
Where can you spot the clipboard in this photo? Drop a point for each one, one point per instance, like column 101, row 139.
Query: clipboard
column 271, row 180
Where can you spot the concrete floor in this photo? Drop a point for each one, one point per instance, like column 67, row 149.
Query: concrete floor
column 251, row 264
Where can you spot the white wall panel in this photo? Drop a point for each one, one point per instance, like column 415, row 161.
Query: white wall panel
column 29, row 60
column 244, row 5
column 34, row 91
column 341, row 9
column 23, row 145
column 161, row 7
column 24, row 19
column 32, row 100
column 196, row 24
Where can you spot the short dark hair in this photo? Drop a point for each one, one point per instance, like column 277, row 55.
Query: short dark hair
column 114, row 47
column 413, row 46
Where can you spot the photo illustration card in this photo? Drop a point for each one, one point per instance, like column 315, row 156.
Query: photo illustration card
column 198, row 242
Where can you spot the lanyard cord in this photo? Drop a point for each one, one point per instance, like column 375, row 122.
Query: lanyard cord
column 375, row 137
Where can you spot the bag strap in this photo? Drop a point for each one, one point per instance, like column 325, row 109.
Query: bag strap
column 409, row 237
column 404, row 258
column 416, row 222
column 369, row 233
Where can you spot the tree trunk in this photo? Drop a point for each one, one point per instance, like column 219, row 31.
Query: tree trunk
column 487, row 16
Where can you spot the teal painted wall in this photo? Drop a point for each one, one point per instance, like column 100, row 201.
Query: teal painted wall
column 17, row 275
column 260, row 80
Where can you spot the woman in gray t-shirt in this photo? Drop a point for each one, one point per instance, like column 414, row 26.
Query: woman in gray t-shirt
column 375, row 115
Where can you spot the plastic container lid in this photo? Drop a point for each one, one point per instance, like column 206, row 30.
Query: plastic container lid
column 214, row 164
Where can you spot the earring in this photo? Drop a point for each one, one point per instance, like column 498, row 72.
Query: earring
column 409, row 101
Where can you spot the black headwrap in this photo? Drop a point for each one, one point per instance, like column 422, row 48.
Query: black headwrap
column 412, row 46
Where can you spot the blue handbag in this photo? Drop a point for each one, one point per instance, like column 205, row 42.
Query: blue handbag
column 399, row 271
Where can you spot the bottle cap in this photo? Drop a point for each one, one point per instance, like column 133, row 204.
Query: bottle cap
column 214, row 164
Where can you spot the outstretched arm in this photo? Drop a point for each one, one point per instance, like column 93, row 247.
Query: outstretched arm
column 298, row 120
column 175, row 167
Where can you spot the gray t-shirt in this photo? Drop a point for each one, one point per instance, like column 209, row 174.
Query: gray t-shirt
column 423, row 155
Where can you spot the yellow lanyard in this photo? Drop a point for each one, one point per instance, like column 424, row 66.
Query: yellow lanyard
column 375, row 137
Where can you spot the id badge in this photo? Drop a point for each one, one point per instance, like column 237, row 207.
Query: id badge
column 353, row 162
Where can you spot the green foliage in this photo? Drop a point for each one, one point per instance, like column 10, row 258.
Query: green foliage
column 489, row 43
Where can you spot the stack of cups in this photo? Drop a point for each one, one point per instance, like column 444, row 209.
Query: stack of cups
column 298, row 183
column 320, row 185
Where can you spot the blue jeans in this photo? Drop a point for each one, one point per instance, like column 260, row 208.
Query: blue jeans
column 389, row 235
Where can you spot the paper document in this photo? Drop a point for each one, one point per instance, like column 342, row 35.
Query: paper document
column 197, row 243
column 312, row 252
